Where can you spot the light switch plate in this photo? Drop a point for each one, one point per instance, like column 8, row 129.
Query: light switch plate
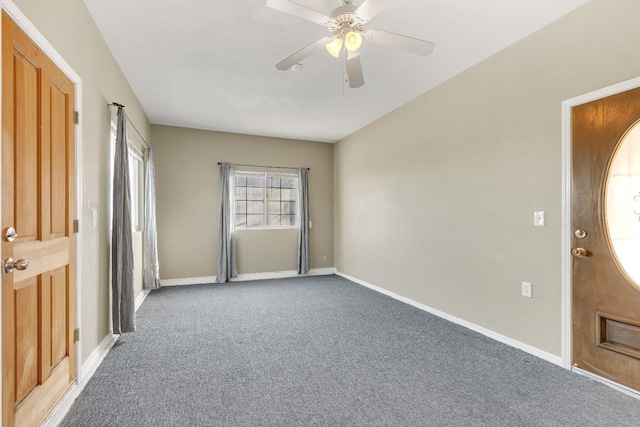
column 526, row 289
column 539, row 219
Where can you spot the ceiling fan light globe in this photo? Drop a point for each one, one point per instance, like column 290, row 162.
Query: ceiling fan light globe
column 352, row 41
column 334, row 47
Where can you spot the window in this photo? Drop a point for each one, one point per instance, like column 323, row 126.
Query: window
column 135, row 182
column 266, row 200
column 136, row 178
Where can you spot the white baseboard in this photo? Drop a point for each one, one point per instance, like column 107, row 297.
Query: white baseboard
column 96, row 357
column 140, row 298
column 556, row 360
column 247, row 277
column 188, row 281
column 283, row 274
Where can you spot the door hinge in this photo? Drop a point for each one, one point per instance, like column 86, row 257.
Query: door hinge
column 76, row 117
column 76, row 225
column 77, row 335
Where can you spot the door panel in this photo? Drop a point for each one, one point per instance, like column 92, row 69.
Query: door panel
column 26, row 304
column 606, row 304
column 45, row 327
column 26, row 77
column 59, row 329
column 38, row 166
column 58, row 154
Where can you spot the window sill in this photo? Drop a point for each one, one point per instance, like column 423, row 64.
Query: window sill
column 266, row 228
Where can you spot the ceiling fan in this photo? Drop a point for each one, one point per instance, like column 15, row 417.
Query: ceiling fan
column 347, row 25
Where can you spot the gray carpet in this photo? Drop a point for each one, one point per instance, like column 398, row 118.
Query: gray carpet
column 323, row 351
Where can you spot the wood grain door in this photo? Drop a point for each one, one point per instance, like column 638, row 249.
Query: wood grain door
column 38, row 170
column 606, row 300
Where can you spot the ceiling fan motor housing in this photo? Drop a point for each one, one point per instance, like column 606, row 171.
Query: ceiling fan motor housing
column 344, row 17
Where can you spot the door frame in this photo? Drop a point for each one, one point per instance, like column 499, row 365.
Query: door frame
column 23, row 22
column 567, row 334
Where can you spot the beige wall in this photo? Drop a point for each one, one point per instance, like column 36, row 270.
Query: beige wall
column 435, row 201
column 187, row 176
column 67, row 25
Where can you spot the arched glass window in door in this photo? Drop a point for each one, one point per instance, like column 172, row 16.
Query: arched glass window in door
column 622, row 203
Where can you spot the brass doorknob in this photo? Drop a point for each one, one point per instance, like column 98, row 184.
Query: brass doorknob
column 10, row 265
column 579, row 252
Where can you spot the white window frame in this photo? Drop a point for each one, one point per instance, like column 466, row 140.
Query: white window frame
column 136, row 166
column 265, row 201
column 136, row 163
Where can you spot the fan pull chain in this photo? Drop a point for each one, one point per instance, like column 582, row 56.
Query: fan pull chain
column 344, row 75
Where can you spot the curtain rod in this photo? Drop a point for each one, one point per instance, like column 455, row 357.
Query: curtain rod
column 115, row 104
column 260, row 166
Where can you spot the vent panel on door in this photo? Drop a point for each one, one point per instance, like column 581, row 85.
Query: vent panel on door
column 619, row 335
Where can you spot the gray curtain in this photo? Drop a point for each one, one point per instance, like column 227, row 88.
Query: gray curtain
column 151, row 278
column 123, row 307
column 303, row 232
column 226, row 231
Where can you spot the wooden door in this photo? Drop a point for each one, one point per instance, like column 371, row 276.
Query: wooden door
column 606, row 300
column 38, row 170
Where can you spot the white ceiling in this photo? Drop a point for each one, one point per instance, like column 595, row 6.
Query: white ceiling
column 210, row 64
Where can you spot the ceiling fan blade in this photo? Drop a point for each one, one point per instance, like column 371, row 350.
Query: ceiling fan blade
column 302, row 54
column 410, row 44
column 296, row 9
column 354, row 71
column 370, row 8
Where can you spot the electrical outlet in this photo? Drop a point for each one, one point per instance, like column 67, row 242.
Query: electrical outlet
column 526, row 289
